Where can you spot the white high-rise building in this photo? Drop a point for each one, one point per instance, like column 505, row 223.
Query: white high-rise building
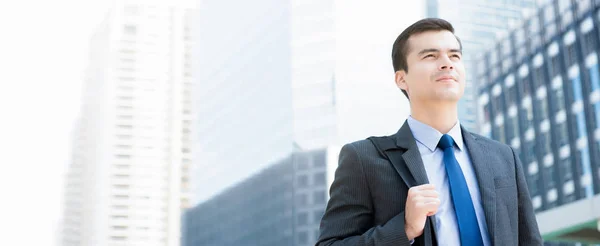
column 277, row 76
column 127, row 182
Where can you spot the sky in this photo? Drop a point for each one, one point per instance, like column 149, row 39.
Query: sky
column 43, row 53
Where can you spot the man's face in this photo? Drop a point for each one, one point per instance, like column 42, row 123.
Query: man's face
column 436, row 71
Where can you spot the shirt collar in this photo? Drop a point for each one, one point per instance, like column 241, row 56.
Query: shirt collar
column 430, row 137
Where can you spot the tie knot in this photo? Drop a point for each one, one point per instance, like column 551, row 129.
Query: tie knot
column 445, row 142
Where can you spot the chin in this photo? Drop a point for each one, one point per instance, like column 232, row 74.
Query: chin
column 448, row 95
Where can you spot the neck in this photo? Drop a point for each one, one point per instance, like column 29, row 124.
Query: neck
column 442, row 116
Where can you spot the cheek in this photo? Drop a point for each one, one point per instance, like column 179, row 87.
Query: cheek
column 460, row 69
column 419, row 74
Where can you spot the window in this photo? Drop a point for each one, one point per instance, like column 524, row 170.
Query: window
column 510, row 129
column 583, row 6
column 302, row 219
column 550, row 31
column 302, row 237
column 543, row 108
column 319, row 197
column 123, row 156
column 125, row 127
column 500, row 134
column 555, row 66
column 570, row 55
column 301, row 162
column 549, row 13
column 535, row 41
column 319, row 178
column 118, row 238
column 486, row 111
column 534, row 26
column 302, row 181
column 564, row 5
column 559, row 99
column 302, row 199
column 524, row 86
column 532, row 184
column 129, row 29
column 566, row 19
column 565, row 169
column 505, row 47
column 527, row 117
column 318, row 215
column 538, row 78
column 496, row 104
column 530, row 153
column 521, row 52
column 563, row 137
column 514, row 128
column 519, row 36
column 319, row 159
column 545, row 144
column 493, row 57
column 589, row 42
column 511, row 95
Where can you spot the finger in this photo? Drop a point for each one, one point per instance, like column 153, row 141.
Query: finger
column 430, row 207
column 425, row 187
column 428, row 200
column 428, row 193
column 413, row 191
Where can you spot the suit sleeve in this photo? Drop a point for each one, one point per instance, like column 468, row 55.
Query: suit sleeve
column 348, row 219
column 529, row 233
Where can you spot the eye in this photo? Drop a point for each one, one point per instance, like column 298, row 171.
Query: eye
column 455, row 56
column 429, row 55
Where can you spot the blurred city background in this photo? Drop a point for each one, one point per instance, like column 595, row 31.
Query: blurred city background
column 215, row 122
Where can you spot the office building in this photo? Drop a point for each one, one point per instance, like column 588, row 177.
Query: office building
column 540, row 94
column 127, row 182
column 281, row 205
column 279, row 76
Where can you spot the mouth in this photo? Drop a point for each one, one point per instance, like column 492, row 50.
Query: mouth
column 446, row 79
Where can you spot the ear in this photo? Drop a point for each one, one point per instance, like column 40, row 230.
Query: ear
column 400, row 80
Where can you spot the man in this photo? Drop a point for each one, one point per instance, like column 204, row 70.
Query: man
column 432, row 182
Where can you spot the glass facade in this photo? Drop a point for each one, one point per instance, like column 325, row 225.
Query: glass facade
column 556, row 104
column 281, row 205
column 241, row 92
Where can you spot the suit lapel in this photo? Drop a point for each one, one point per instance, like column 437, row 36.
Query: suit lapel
column 481, row 165
column 406, row 159
column 412, row 157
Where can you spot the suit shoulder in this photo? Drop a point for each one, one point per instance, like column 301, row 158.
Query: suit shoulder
column 492, row 144
column 361, row 146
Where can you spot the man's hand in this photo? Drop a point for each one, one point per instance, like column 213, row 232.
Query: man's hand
column 422, row 201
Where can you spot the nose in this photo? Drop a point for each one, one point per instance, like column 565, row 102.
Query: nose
column 446, row 63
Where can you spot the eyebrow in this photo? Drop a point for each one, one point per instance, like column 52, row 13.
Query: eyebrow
column 422, row 52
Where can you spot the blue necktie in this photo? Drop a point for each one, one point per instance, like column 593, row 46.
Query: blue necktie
column 459, row 191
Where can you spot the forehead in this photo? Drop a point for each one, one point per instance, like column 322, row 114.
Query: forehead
column 442, row 40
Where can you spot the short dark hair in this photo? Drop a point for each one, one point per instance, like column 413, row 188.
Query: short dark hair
column 400, row 49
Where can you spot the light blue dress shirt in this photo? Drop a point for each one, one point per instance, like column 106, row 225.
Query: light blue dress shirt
column 427, row 139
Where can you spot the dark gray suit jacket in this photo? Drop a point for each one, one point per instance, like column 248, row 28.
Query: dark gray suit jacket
column 368, row 194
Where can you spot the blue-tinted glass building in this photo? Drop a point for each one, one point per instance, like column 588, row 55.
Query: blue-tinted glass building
column 540, row 93
column 281, row 205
